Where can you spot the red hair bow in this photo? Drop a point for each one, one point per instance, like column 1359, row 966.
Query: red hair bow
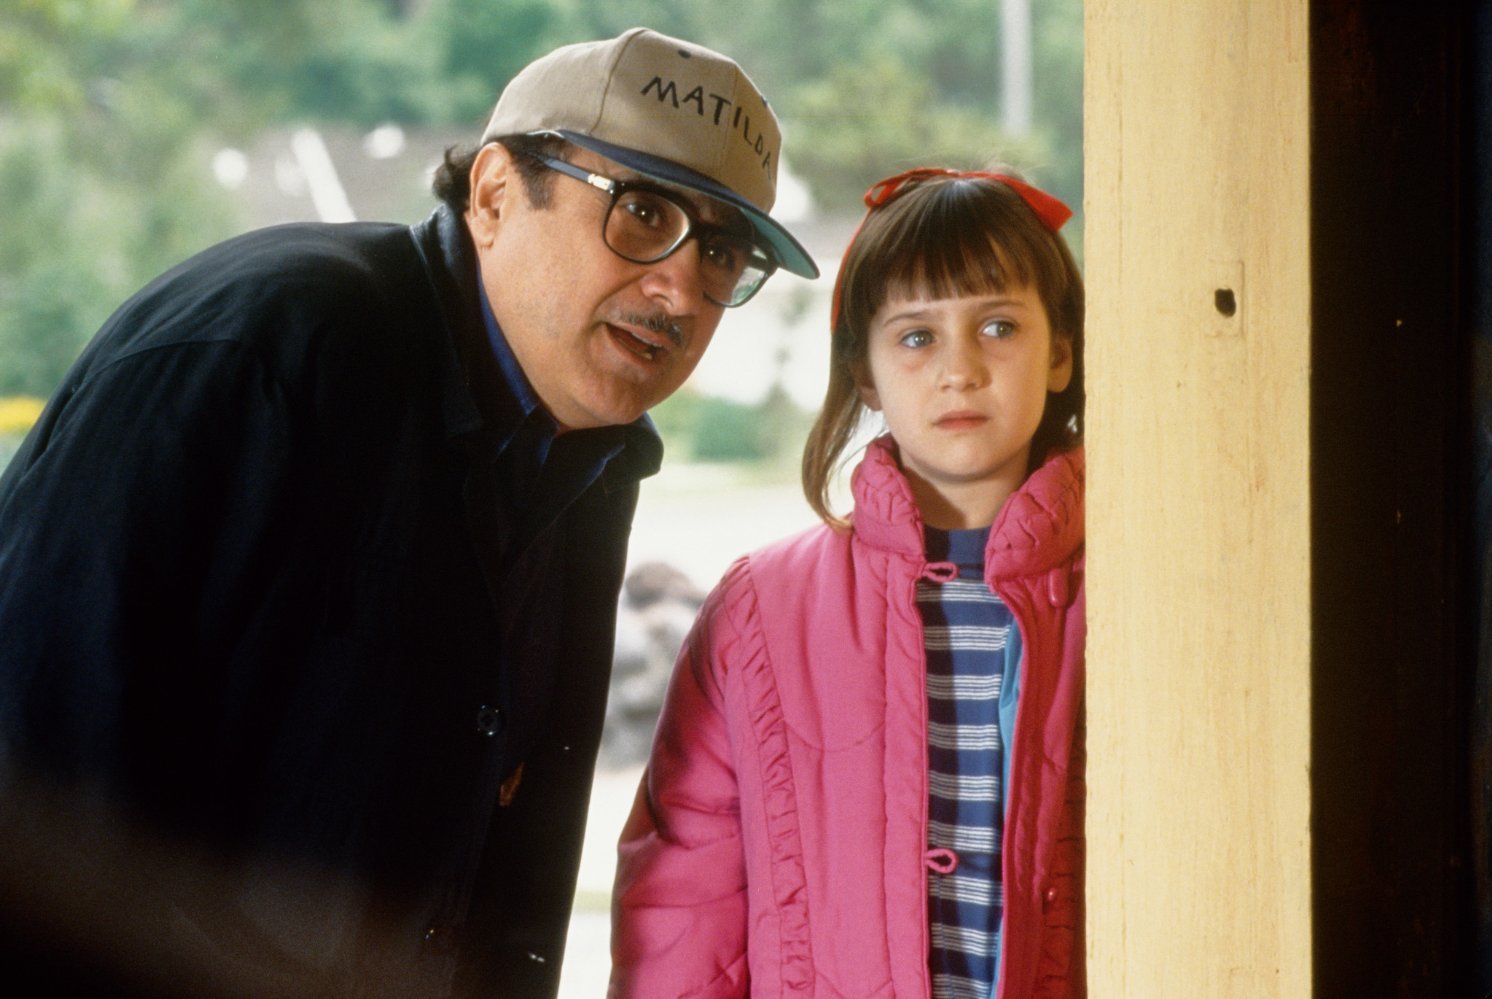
column 1052, row 212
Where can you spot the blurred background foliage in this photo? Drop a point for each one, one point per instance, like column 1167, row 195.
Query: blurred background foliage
column 111, row 112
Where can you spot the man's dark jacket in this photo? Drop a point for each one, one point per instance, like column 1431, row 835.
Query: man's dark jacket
column 276, row 634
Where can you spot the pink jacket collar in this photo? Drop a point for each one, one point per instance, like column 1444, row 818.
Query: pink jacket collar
column 1040, row 526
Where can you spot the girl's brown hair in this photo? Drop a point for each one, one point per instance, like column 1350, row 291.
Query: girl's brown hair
column 944, row 236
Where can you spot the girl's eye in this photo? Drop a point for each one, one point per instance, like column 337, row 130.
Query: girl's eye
column 998, row 328
column 915, row 338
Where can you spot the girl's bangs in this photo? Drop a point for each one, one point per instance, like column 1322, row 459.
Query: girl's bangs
column 953, row 260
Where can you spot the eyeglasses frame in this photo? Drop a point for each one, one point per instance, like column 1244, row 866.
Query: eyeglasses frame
column 614, row 189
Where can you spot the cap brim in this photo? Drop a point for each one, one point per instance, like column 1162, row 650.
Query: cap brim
column 789, row 254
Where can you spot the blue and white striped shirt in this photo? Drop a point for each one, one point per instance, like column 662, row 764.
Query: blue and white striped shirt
column 966, row 629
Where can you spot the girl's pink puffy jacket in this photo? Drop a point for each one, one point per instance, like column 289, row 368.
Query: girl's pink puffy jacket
column 778, row 843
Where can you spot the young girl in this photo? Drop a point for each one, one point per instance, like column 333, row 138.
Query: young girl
column 867, row 780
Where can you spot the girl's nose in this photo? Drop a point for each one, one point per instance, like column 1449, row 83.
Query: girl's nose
column 963, row 366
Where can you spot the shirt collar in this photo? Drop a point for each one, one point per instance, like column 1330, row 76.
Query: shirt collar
column 513, row 377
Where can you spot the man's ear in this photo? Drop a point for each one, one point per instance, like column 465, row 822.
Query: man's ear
column 491, row 174
column 1060, row 375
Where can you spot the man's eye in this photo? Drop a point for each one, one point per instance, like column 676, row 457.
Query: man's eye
column 646, row 211
column 725, row 256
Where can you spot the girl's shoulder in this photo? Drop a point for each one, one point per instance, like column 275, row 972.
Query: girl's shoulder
column 793, row 557
column 784, row 574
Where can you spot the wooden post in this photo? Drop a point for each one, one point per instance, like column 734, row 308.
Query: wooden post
column 1199, row 343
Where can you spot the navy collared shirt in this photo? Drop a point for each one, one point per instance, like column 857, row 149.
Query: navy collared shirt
column 545, row 470
column 544, row 429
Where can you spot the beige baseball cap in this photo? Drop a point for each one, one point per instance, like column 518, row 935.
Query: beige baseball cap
column 671, row 110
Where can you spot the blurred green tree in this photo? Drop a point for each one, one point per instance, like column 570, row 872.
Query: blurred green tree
column 868, row 119
column 706, row 428
column 89, row 140
column 109, row 113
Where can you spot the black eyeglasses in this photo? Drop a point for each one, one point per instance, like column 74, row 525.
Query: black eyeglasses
column 644, row 224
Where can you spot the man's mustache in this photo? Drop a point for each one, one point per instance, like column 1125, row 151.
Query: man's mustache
column 658, row 323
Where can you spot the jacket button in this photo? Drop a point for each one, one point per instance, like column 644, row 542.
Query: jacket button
column 439, row 939
column 489, row 720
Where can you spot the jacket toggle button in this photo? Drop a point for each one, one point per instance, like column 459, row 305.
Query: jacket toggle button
column 941, row 860
column 489, row 720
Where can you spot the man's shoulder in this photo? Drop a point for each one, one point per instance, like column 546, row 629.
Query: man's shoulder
column 277, row 288
column 302, row 260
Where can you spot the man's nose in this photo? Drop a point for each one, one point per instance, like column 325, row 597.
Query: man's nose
column 675, row 280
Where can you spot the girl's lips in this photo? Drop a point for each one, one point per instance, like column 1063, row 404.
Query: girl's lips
column 960, row 420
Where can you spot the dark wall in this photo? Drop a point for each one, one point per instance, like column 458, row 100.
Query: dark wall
column 1395, row 223
column 1479, row 184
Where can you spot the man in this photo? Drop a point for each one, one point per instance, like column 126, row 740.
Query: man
column 311, row 565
